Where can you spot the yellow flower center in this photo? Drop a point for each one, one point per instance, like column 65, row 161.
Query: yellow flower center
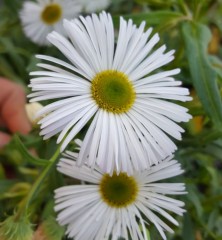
column 118, row 190
column 51, row 14
column 113, row 91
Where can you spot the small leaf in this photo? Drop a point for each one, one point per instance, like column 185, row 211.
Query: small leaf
column 196, row 37
column 25, row 153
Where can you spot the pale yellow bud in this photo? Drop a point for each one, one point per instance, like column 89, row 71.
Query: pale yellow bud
column 31, row 110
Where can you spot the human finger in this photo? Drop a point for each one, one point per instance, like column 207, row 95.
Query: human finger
column 12, row 107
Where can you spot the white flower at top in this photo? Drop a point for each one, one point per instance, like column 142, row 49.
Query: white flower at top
column 41, row 17
column 90, row 6
column 113, row 88
column 117, row 205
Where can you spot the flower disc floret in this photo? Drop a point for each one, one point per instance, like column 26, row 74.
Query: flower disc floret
column 51, row 13
column 112, row 91
column 118, row 190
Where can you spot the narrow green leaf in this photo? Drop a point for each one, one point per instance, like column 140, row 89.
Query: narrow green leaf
column 217, row 65
column 196, row 37
column 211, row 220
column 7, row 70
column 6, row 184
column 16, row 59
column 152, row 18
column 157, row 3
column 22, row 149
column 194, row 198
column 188, row 231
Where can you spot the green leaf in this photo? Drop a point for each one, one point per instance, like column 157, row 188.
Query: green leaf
column 7, row 70
column 153, row 18
column 215, row 149
column 5, row 185
column 197, row 37
column 17, row 190
column 211, row 220
column 15, row 58
column 22, row 149
column 214, row 177
column 188, row 228
column 194, row 198
column 216, row 64
column 157, row 3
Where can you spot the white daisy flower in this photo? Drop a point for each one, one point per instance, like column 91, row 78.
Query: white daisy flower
column 117, row 205
column 90, row 6
column 42, row 17
column 115, row 90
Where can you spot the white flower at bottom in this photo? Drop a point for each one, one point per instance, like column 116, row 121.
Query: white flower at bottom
column 117, row 205
column 41, row 17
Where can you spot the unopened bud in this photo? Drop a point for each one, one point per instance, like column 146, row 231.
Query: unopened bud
column 31, row 110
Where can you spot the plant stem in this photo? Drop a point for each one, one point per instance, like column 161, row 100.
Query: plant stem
column 185, row 9
column 24, row 207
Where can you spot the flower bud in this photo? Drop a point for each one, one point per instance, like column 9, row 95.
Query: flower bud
column 31, row 110
column 16, row 229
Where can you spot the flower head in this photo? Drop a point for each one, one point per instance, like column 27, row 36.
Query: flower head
column 116, row 88
column 117, row 205
column 41, row 17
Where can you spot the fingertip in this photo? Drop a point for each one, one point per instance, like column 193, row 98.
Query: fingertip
column 25, row 126
column 19, row 122
column 13, row 111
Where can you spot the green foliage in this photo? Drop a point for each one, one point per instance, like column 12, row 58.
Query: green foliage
column 204, row 77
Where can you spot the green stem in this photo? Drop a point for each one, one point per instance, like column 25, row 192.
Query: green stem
column 41, row 178
column 197, row 10
column 185, row 9
column 23, row 209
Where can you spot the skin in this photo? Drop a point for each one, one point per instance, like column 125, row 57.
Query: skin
column 12, row 110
